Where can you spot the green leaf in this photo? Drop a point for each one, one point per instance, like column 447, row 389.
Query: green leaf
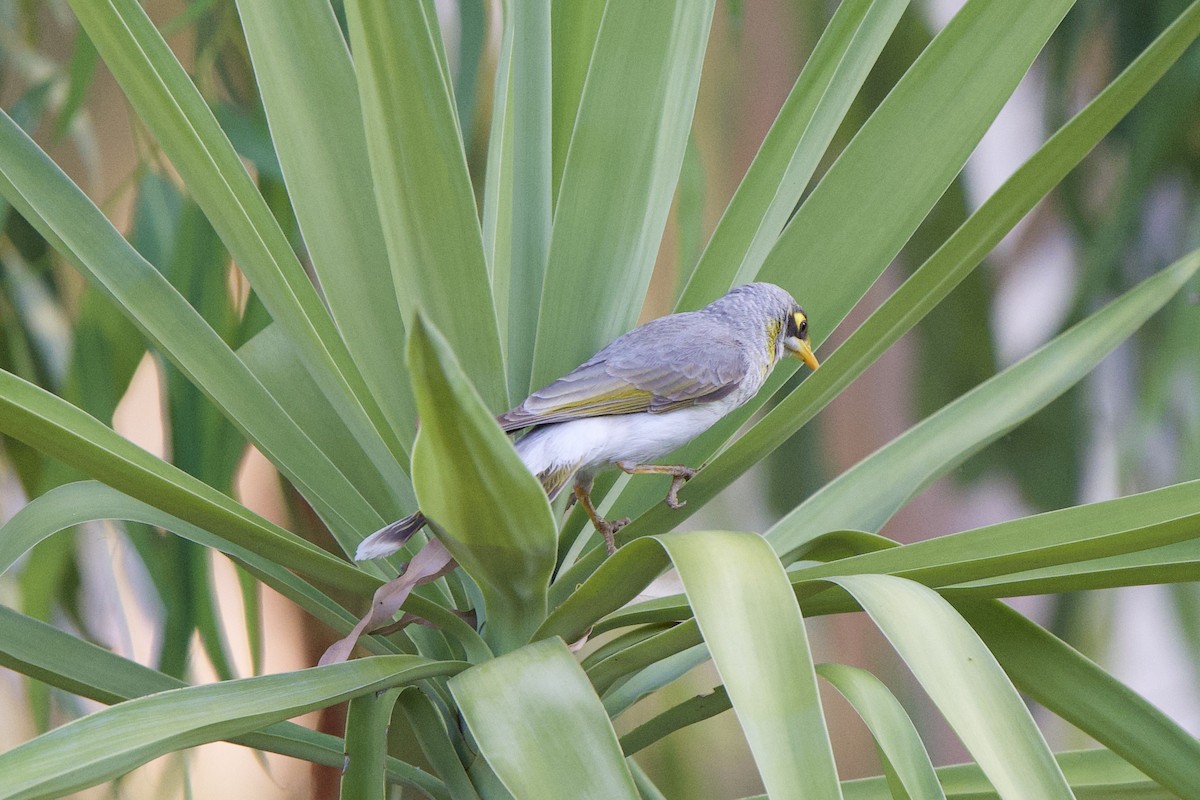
column 1093, row 774
column 1068, row 536
column 752, row 625
column 652, row 678
column 564, row 745
column 739, row 606
column 895, row 735
column 56, row 428
column 307, row 82
column 109, row 743
column 271, row 358
column 174, row 111
column 965, row 682
column 75, row 503
column 619, row 177
column 498, row 183
column 530, row 214
column 646, row 788
column 689, row 712
column 487, row 509
column 430, row 729
column 1174, row 563
column 473, row 31
column 866, row 496
column 80, row 73
column 574, row 27
column 924, row 290
column 827, row 257
column 104, row 356
column 792, row 149
column 619, row 579
column 606, row 667
column 422, row 187
column 69, row 221
column 367, row 720
column 1052, row 673
column 49, row 655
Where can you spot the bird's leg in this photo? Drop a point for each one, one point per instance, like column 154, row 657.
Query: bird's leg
column 681, row 475
column 607, row 529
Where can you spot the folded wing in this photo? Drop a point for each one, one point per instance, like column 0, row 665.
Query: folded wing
column 654, row 368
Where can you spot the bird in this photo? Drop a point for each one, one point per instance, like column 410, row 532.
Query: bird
column 646, row 394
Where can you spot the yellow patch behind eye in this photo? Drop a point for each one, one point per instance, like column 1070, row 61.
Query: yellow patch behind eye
column 800, row 319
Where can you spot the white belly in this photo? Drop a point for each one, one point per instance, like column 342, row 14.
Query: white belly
column 599, row 442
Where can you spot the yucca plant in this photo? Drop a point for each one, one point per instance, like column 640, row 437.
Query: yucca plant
column 439, row 299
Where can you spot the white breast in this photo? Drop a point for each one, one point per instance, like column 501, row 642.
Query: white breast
column 599, row 442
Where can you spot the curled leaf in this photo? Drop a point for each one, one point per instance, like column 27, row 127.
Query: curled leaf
column 430, row 563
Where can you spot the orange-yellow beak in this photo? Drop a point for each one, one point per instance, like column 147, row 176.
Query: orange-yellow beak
column 802, row 350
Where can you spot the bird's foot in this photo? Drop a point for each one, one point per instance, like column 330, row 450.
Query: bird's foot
column 608, row 529
column 678, row 472
column 684, row 475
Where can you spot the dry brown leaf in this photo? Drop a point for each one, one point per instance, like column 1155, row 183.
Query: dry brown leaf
column 430, row 563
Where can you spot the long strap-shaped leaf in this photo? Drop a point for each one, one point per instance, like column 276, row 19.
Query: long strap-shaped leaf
column 273, row 360
column 540, row 726
column 860, row 499
column 367, row 719
column 982, row 563
column 938, row 276
column 909, row 771
column 1071, row 535
column 912, row 147
column 1173, row 563
column 868, row 494
column 1073, row 687
column 67, row 218
column 895, row 736
column 966, row 683
column 86, row 501
column 58, row 659
column 113, row 741
column 1093, row 774
column 625, row 155
column 752, row 626
column 56, row 428
column 422, row 187
column 792, row 148
column 498, row 184
column 172, row 108
column 575, row 25
column 961, row 253
column 750, row 621
column 308, row 89
column 530, row 211
column 429, row 727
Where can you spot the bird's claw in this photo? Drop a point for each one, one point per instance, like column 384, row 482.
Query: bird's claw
column 608, row 529
column 685, row 475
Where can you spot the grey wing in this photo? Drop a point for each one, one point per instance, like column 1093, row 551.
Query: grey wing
column 666, row 364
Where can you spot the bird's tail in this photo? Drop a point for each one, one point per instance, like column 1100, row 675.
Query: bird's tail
column 389, row 538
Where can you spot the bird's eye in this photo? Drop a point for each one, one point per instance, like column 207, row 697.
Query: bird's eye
column 799, row 324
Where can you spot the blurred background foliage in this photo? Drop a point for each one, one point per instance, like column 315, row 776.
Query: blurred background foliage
column 1132, row 205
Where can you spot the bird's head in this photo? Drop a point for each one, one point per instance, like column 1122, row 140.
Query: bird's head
column 782, row 320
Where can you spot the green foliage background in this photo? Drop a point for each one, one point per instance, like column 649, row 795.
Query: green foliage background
column 345, row 216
